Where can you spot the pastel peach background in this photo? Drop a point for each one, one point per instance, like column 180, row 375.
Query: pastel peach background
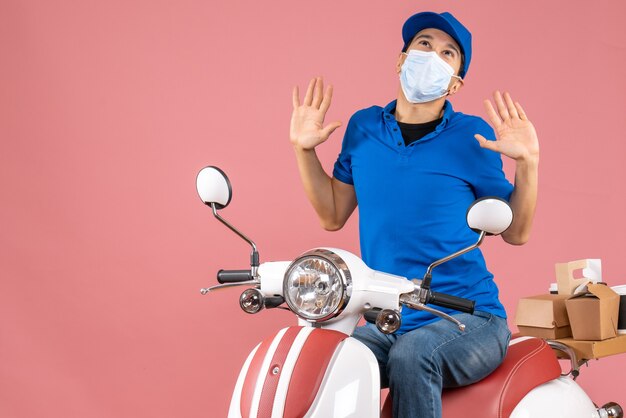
column 109, row 108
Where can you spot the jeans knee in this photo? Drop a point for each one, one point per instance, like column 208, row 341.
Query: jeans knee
column 406, row 361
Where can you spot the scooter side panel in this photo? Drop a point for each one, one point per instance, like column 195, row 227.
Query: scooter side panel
column 264, row 382
column 561, row 397
column 291, row 361
column 246, row 398
column 351, row 385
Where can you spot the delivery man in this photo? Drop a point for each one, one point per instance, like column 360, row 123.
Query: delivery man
column 413, row 167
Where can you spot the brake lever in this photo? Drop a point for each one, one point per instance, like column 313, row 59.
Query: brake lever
column 254, row 283
column 410, row 300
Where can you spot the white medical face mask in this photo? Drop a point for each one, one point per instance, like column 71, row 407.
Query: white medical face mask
column 425, row 77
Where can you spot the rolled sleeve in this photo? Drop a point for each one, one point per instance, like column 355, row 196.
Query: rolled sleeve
column 343, row 166
column 489, row 179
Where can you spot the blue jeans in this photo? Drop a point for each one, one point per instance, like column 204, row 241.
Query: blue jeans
column 417, row 365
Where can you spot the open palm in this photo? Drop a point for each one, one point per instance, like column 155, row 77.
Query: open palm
column 307, row 128
column 515, row 134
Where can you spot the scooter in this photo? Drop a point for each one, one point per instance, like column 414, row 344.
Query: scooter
column 316, row 369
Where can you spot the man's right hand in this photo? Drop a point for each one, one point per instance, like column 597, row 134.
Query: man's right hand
column 307, row 120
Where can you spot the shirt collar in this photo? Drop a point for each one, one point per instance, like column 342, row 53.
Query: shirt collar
column 448, row 111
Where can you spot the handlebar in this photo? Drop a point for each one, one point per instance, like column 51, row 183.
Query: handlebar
column 234, row 276
column 452, row 302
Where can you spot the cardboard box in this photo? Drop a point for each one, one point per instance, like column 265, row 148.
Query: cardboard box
column 621, row 323
column 593, row 315
column 567, row 284
column 543, row 316
column 590, row 350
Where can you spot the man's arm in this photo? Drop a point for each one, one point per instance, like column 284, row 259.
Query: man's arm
column 333, row 200
column 516, row 138
column 523, row 201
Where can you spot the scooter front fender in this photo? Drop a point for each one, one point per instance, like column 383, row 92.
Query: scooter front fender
column 308, row 372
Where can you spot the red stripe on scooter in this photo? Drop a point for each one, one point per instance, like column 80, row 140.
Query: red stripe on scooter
column 309, row 371
column 268, row 393
column 249, row 384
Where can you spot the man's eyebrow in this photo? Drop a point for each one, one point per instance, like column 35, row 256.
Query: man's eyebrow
column 427, row 36
column 423, row 35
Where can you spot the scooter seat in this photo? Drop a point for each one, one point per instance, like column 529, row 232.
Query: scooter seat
column 529, row 362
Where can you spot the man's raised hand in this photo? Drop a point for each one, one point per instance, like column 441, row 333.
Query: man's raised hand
column 515, row 134
column 307, row 128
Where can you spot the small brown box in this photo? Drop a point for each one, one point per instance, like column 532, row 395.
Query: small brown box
column 593, row 314
column 543, row 316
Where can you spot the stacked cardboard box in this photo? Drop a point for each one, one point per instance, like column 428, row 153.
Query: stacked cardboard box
column 587, row 321
column 543, row 316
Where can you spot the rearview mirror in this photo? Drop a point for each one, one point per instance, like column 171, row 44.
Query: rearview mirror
column 486, row 216
column 214, row 187
column 491, row 215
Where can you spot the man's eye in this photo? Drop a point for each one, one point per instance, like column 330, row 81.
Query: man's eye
column 425, row 43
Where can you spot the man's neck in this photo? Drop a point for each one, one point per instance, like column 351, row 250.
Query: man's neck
column 420, row 112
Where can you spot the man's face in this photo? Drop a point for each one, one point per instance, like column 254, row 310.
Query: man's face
column 443, row 44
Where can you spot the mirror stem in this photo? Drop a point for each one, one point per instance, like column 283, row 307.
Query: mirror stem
column 428, row 276
column 254, row 256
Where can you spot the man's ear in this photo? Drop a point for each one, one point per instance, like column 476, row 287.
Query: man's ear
column 455, row 87
column 399, row 63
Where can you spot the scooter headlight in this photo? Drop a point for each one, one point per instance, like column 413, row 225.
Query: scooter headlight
column 317, row 285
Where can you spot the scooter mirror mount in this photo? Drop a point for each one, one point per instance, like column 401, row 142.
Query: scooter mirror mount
column 215, row 190
column 486, row 216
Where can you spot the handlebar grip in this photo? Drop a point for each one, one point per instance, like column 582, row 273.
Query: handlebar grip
column 233, row 276
column 371, row 315
column 452, row 302
column 274, row 301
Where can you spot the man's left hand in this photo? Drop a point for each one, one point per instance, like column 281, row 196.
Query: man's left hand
column 515, row 134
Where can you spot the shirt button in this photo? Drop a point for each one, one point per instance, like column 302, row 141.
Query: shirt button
column 399, row 143
column 395, row 129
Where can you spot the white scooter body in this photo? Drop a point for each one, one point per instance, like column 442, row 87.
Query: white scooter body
column 351, row 383
column 561, row 397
